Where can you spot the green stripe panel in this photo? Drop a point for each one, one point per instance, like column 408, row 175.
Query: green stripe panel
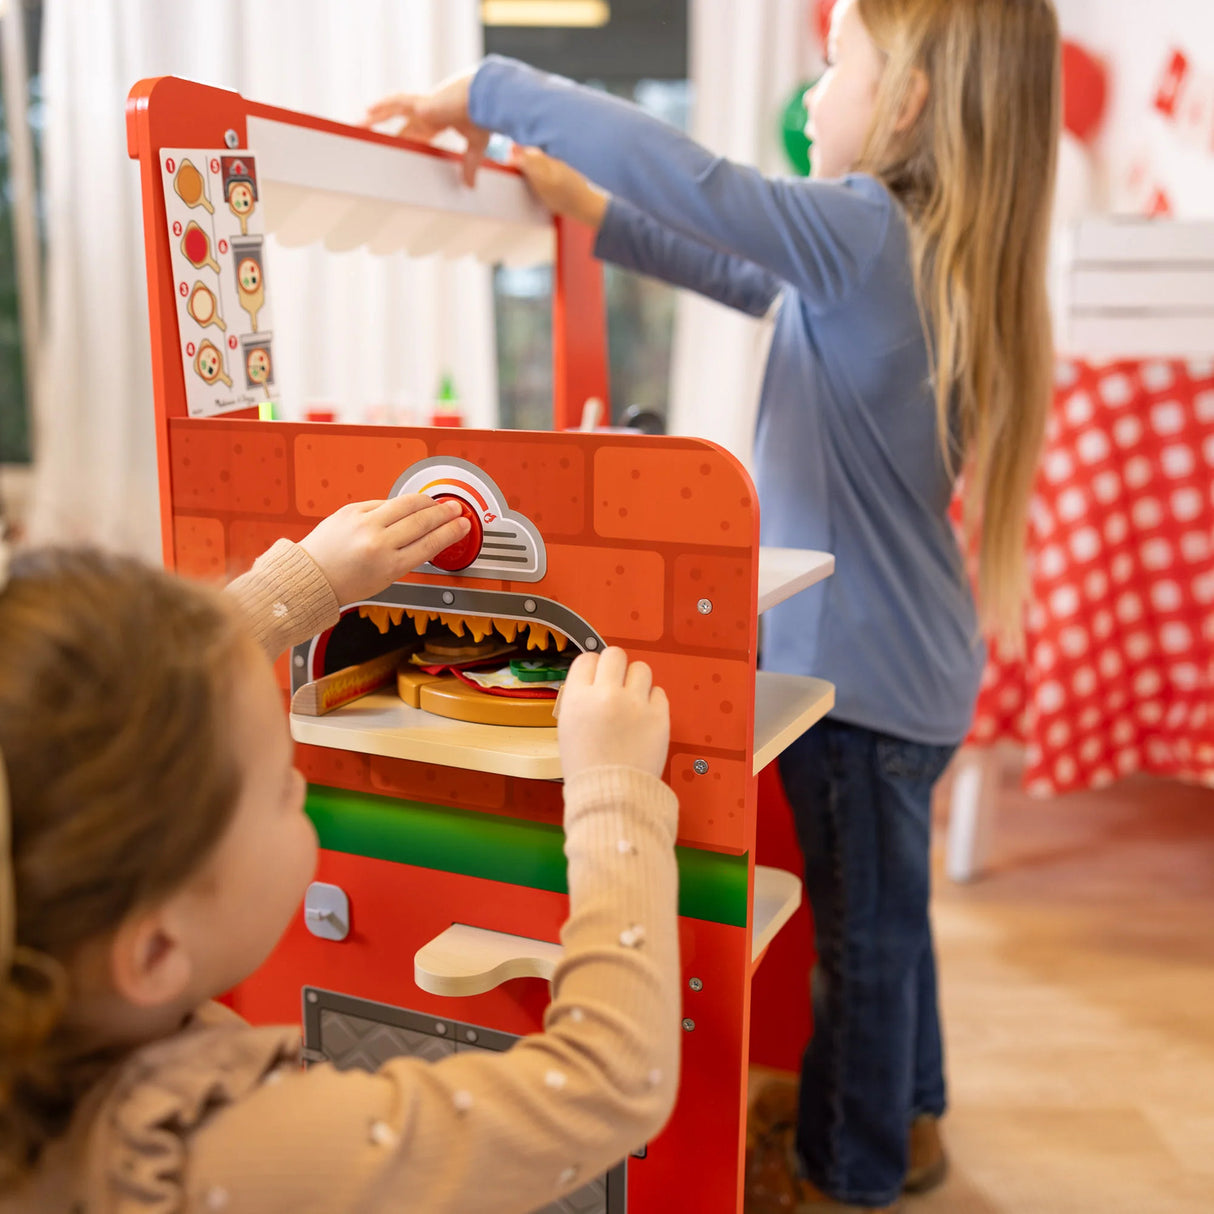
column 712, row 886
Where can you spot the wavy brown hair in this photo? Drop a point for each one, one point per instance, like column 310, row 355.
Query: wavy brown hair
column 114, row 687
column 975, row 173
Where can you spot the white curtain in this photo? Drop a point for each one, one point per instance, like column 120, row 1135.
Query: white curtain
column 747, row 57
column 355, row 332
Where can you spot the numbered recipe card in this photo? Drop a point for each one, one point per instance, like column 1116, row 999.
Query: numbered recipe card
column 218, row 240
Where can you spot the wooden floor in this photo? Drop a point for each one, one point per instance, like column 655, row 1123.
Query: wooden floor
column 1078, row 993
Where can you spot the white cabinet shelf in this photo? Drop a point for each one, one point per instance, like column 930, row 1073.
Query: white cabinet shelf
column 784, row 572
column 467, row 960
column 383, row 724
column 777, row 896
column 464, row 960
column 786, row 705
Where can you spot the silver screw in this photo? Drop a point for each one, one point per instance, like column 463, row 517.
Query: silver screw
column 448, row 597
column 440, row 1028
column 470, row 1035
column 696, row 984
column 591, row 643
column 313, row 997
column 231, row 139
column 689, row 1026
column 704, row 606
column 701, row 766
column 529, row 604
column 299, row 660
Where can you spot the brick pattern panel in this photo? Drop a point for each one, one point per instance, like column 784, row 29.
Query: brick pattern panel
column 429, row 782
column 688, row 497
column 726, row 583
column 712, row 702
column 718, row 797
column 336, row 768
column 200, row 547
column 537, row 800
column 334, row 469
column 619, row 591
column 241, row 471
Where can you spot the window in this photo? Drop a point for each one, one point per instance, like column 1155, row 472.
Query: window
column 14, row 407
column 640, row 54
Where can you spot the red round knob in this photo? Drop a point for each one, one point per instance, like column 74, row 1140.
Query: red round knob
column 463, row 552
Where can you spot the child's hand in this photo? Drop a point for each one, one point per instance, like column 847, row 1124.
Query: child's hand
column 366, row 546
column 611, row 715
column 426, row 115
column 561, row 189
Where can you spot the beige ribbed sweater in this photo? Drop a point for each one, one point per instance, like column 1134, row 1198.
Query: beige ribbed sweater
column 220, row 1118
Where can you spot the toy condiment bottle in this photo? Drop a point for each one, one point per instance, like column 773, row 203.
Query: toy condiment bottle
column 446, row 405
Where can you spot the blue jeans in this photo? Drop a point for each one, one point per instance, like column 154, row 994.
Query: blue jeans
column 862, row 804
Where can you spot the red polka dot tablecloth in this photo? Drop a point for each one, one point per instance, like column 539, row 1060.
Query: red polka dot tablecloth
column 1119, row 669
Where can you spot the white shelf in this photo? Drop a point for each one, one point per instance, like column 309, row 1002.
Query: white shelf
column 467, row 960
column 784, row 572
column 383, row 724
column 777, row 896
column 463, row 960
column 786, row 705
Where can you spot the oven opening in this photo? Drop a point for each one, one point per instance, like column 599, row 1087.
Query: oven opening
column 489, row 669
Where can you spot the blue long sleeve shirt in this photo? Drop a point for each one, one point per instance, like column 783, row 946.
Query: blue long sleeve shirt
column 847, row 458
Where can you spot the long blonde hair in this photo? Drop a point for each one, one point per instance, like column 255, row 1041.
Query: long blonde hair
column 975, row 172
column 114, row 687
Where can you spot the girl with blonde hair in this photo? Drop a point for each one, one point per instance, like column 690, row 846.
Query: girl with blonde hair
column 911, row 345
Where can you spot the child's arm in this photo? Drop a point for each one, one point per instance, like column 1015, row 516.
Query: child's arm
column 515, row 1131
column 822, row 237
column 295, row 591
column 628, row 237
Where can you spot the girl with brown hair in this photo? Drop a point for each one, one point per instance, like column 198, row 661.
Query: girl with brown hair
column 154, row 846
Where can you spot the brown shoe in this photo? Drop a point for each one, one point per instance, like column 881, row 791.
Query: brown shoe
column 770, row 1118
column 775, row 1104
column 928, row 1161
column 774, row 1108
column 771, row 1184
column 814, row 1201
column 774, row 1187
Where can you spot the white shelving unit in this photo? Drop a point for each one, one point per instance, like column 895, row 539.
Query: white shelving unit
column 784, row 572
column 777, row 896
column 786, row 705
column 464, row 960
column 383, row 724
column 1134, row 287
